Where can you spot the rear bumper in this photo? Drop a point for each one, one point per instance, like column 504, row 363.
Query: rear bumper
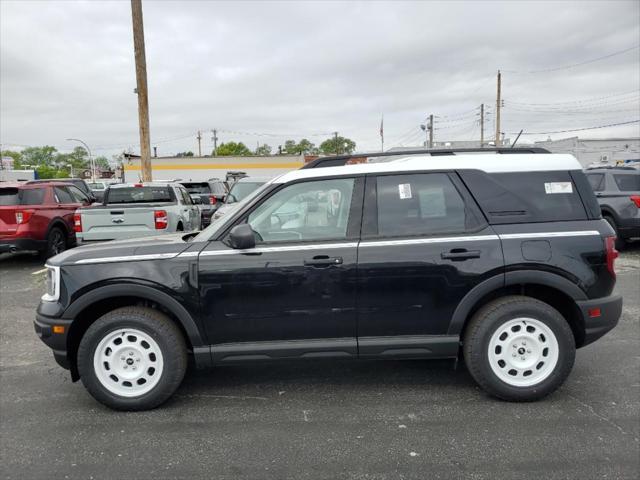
column 57, row 342
column 21, row 244
column 598, row 325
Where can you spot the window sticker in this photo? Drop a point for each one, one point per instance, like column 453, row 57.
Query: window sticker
column 404, row 189
column 558, row 187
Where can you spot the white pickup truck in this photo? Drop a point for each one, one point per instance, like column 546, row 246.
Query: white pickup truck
column 137, row 210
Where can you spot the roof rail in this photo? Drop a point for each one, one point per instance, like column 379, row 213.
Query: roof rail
column 341, row 160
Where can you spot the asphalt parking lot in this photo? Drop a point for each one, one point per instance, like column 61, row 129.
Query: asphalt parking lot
column 338, row 419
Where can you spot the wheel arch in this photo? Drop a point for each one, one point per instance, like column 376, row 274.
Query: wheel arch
column 95, row 303
column 59, row 223
column 550, row 288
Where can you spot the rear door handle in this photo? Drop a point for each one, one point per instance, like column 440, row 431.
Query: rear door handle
column 321, row 261
column 458, row 254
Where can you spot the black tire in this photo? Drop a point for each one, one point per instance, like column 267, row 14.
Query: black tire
column 56, row 243
column 620, row 242
column 488, row 319
column 156, row 325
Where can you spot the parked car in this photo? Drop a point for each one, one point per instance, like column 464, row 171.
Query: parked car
column 242, row 188
column 212, row 194
column 138, row 210
column 618, row 192
column 98, row 188
column 39, row 216
column 77, row 182
column 504, row 260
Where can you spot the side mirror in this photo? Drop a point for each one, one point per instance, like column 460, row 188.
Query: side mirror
column 242, row 237
column 196, row 199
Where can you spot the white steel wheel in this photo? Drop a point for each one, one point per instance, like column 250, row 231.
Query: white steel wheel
column 523, row 352
column 128, row 362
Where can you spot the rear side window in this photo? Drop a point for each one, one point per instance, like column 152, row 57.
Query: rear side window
column 518, row 197
column 16, row 196
column 596, row 180
column 628, row 183
column 139, row 194
column 420, row 204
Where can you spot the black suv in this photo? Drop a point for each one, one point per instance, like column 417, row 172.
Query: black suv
column 501, row 258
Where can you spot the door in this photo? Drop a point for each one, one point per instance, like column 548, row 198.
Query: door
column 189, row 211
column 424, row 246
column 293, row 295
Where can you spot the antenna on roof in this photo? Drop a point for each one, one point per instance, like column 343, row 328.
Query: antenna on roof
column 514, row 142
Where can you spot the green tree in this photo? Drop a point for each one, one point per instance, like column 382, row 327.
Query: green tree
column 263, row 150
column 233, row 149
column 102, row 162
column 185, row 154
column 339, row 145
column 39, row 156
column 293, row 148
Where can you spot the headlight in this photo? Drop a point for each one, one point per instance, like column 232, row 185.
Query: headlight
column 53, row 284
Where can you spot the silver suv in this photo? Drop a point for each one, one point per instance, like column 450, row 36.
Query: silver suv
column 618, row 192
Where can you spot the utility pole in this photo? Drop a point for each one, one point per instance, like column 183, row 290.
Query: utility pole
column 430, row 131
column 141, row 90
column 215, row 141
column 482, row 125
column 498, row 104
column 199, row 137
column 335, row 135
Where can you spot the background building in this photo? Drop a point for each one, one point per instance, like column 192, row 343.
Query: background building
column 204, row 168
column 594, row 151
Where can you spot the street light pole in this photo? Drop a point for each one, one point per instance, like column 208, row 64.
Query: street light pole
column 93, row 167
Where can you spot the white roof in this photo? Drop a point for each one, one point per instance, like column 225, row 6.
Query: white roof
column 488, row 162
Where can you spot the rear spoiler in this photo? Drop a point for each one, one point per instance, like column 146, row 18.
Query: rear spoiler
column 341, row 160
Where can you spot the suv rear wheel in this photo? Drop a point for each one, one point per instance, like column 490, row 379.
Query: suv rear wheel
column 56, row 243
column 132, row 358
column 518, row 348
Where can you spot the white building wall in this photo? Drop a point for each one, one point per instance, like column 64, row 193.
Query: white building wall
column 595, row 151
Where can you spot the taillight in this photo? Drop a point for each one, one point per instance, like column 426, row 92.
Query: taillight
column 212, row 199
column 612, row 254
column 77, row 222
column 635, row 199
column 160, row 217
column 23, row 216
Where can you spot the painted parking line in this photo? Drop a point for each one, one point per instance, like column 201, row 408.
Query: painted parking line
column 39, row 271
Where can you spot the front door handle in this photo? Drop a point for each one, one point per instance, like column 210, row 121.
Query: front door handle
column 321, row 261
column 458, row 254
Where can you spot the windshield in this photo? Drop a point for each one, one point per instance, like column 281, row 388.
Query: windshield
column 240, row 190
column 139, row 195
column 216, row 224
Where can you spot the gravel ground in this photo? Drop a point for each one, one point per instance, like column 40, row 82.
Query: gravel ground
column 319, row 419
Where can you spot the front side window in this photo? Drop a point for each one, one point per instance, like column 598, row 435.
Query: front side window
column 420, row 204
column 77, row 195
column 316, row 210
column 63, row 195
column 628, row 182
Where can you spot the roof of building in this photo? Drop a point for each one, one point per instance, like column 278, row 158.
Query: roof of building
column 488, row 162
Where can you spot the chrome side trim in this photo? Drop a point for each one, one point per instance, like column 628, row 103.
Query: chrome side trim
column 287, row 248
column 419, row 241
column 575, row 233
column 127, row 258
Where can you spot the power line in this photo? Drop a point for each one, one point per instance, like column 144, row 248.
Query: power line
column 573, row 65
column 579, row 129
column 583, row 100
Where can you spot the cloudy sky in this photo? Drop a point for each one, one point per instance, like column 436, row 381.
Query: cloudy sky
column 267, row 71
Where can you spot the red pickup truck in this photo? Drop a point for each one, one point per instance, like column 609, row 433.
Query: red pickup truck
column 39, row 216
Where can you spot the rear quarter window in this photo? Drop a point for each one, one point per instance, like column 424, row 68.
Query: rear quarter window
column 26, row 196
column 628, row 182
column 519, row 197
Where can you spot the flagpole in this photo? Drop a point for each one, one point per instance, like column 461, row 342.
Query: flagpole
column 382, row 134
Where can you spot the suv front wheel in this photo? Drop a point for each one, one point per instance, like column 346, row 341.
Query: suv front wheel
column 518, row 348
column 132, row 358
